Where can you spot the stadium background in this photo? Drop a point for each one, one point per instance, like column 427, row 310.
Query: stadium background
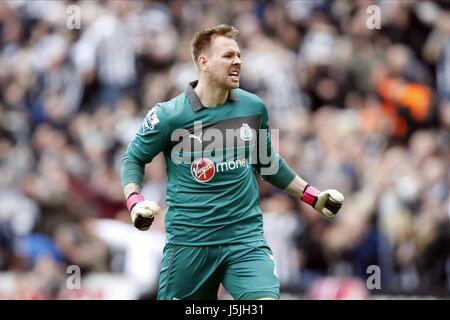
column 365, row 111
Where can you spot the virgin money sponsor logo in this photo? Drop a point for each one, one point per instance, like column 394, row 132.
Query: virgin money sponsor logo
column 203, row 169
column 208, row 142
column 232, row 165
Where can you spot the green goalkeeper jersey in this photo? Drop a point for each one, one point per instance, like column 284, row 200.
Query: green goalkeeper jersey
column 212, row 156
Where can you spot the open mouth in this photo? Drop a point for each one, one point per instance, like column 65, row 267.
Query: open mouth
column 234, row 75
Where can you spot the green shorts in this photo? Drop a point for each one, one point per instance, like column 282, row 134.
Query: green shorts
column 247, row 272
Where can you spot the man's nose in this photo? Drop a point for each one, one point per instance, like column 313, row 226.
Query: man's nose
column 237, row 60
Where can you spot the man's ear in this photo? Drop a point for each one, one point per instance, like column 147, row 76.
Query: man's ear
column 203, row 63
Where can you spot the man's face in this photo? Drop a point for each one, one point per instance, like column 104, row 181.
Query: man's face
column 224, row 62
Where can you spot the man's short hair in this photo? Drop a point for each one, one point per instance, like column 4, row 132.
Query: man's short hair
column 202, row 40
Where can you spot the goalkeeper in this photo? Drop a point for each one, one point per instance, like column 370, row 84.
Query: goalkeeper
column 214, row 224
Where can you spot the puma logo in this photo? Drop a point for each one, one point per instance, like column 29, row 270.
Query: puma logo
column 199, row 137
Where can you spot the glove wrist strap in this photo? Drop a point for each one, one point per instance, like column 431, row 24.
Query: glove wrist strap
column 310, row 195
column 133, row 199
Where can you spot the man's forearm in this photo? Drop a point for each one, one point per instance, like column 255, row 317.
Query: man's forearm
column 296, row 187
column 131, row 188
column 132, row 173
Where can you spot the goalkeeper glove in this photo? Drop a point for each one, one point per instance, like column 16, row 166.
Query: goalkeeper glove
column 327, row 202
column 142, row 211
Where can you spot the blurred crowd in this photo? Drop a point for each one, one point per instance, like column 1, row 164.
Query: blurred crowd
column 362, row 110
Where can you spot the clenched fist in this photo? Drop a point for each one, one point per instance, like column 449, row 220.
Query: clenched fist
column 143, row 213
column 329, row 202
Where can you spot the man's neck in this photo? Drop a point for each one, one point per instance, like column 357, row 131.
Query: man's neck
column 210, row 96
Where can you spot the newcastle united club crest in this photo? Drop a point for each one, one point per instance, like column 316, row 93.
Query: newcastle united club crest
column 246, row 133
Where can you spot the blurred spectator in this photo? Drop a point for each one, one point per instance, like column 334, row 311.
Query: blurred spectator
column 30, row 249
column 338, row 289
column 107, row 50
column 136, row 254
column 280, row 225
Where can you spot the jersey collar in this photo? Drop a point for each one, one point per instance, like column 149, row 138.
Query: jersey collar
column 197, row 105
